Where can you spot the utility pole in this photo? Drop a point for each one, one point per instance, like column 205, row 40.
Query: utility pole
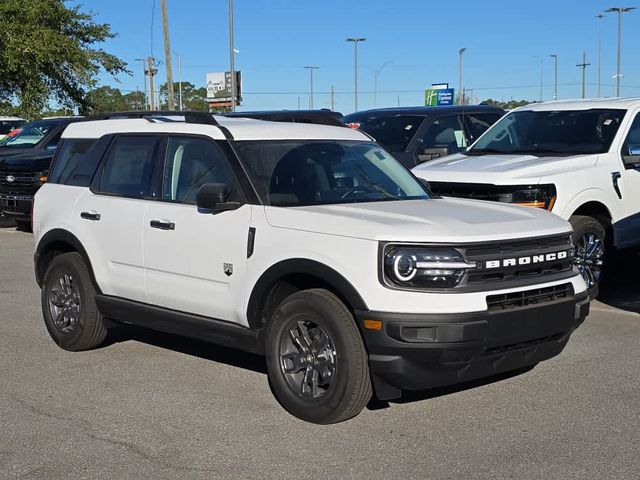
column 600, row 16
column 232, row 53
column 151, row 72
column 311, row 68
column 333, row 99
column 144, row 77
column 167, row 55
column 619, row 11
column 461, row 93
column 541, row 73
column 555, row 76
column 355, row 42
column 375, row 81
column 179, row 81
column 584, row 66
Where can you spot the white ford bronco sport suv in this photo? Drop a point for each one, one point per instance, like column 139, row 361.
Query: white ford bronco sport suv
column 578, row 159
column 307, row 243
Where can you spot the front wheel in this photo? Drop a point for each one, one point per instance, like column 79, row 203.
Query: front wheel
column 589, row 241
column 318, row 366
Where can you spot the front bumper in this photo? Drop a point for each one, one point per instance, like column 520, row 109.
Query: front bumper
column 16, row 206
column 420, row 351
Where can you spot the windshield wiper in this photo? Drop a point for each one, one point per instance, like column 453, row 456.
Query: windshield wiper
column 483, row 151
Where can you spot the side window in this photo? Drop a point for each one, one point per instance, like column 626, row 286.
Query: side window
column 189, row 164
column 478, row 123
column 68, row 156
column 631, row 145
column 445, row 133
column 128, row 168
column 53, row 143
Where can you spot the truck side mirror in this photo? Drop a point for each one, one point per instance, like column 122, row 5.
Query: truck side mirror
column 431, row 153
column 632, row 156
column 213, row 197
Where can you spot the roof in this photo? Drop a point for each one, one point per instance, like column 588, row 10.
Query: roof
column 583, row 104
column 239, row 128
column 322, row 117
column 11, row 119
column 421, row 110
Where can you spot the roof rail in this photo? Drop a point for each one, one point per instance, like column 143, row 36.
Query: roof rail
column 205, row 118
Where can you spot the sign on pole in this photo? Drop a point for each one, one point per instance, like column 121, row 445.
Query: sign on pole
column 219, row 89
column 438, row 96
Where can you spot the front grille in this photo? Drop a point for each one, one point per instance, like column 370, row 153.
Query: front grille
column 476, row 191
column 529, row 250
column 537, row 296
column 24, row 183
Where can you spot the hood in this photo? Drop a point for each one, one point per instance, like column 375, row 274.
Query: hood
column 500, row 169
column 26, row 161
column 449, row 220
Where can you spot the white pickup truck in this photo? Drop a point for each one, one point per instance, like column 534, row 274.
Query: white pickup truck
column 579, row 159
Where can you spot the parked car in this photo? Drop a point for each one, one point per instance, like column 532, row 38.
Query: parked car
column 24, row 162
column 419, row 134
column 9, row 124
column 578, row 159
column 308, row 243
column 320, row 117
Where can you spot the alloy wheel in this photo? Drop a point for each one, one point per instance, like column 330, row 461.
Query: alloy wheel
column 308, row 359
column 589, row 258
column 64, row 303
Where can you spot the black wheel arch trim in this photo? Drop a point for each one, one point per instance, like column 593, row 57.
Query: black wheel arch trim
column 57, row 236
column 299, row 266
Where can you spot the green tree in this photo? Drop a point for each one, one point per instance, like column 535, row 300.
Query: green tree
column 48, row 52
column 104, row 99
column 508, row 105
column 192, row 98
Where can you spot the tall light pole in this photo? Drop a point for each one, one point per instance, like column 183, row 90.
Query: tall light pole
column 600, row 16
column 375, row 81
column 232, row 66
column 144, row 77
column 555, row 76
column 355, row 41
column 619, row 11
column 179, row 80
column 311, row 68
column 461, row 92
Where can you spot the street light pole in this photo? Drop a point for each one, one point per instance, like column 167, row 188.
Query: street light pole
column 461, row 93
column 232, row 66
column 355, row 41
column 311, row 68
column 600, row 16
column 555, row 76
column 619, row 11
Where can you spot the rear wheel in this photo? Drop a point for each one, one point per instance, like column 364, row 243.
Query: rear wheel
column 317, row 363
column 68, row 304
column 589, row 237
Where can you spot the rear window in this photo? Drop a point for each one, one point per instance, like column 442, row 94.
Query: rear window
column 392, row 132
column 69, row 154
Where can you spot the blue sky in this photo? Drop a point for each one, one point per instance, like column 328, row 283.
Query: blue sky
column 276, row 38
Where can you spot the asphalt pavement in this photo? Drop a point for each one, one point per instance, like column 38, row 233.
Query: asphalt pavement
column 155, row 406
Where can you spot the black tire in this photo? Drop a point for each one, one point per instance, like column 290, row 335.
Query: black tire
column 592, row 269
column 87, row 329
column 349, row 389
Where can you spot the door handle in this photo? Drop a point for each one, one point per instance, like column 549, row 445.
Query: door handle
column 615, row 176
column 90, row 216
column 160, row 225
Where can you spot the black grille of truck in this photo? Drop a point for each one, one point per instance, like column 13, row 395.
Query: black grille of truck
column 476, row 191
column 18, row 183
column 537, row 296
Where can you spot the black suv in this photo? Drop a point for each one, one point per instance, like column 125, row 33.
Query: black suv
column 319, row 117
column 417, row 134
column 24, row 163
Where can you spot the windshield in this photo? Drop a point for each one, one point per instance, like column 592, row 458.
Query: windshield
column 393, row 133
column 30, row 135
column 7, row 126
column 297, row 173
column 564, row 132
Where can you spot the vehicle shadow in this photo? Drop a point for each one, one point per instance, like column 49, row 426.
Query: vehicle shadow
column 622, row 288
column 188, row 346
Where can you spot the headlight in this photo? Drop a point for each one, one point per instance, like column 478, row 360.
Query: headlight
column 424, row 267
column 540, row 196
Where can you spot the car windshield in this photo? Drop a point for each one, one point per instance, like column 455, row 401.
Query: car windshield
column 298, row 173
column 7, row 126
column 30, row 135
column 392, row 132
column 562, row 132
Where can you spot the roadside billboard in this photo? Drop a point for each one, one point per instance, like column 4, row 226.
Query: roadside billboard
column 439, row 96
column 219, row 89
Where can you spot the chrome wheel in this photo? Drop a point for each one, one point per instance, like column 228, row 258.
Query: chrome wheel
column 589, row 258
column 308, row 359
column 64, row 303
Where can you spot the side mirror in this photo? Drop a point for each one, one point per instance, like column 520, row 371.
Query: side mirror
column 632, row 158
column 431, row 153
column 213, row 197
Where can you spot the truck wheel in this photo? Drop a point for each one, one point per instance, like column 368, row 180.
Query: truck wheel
column 68, row 304
column 589, row 241
column 318, row 366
